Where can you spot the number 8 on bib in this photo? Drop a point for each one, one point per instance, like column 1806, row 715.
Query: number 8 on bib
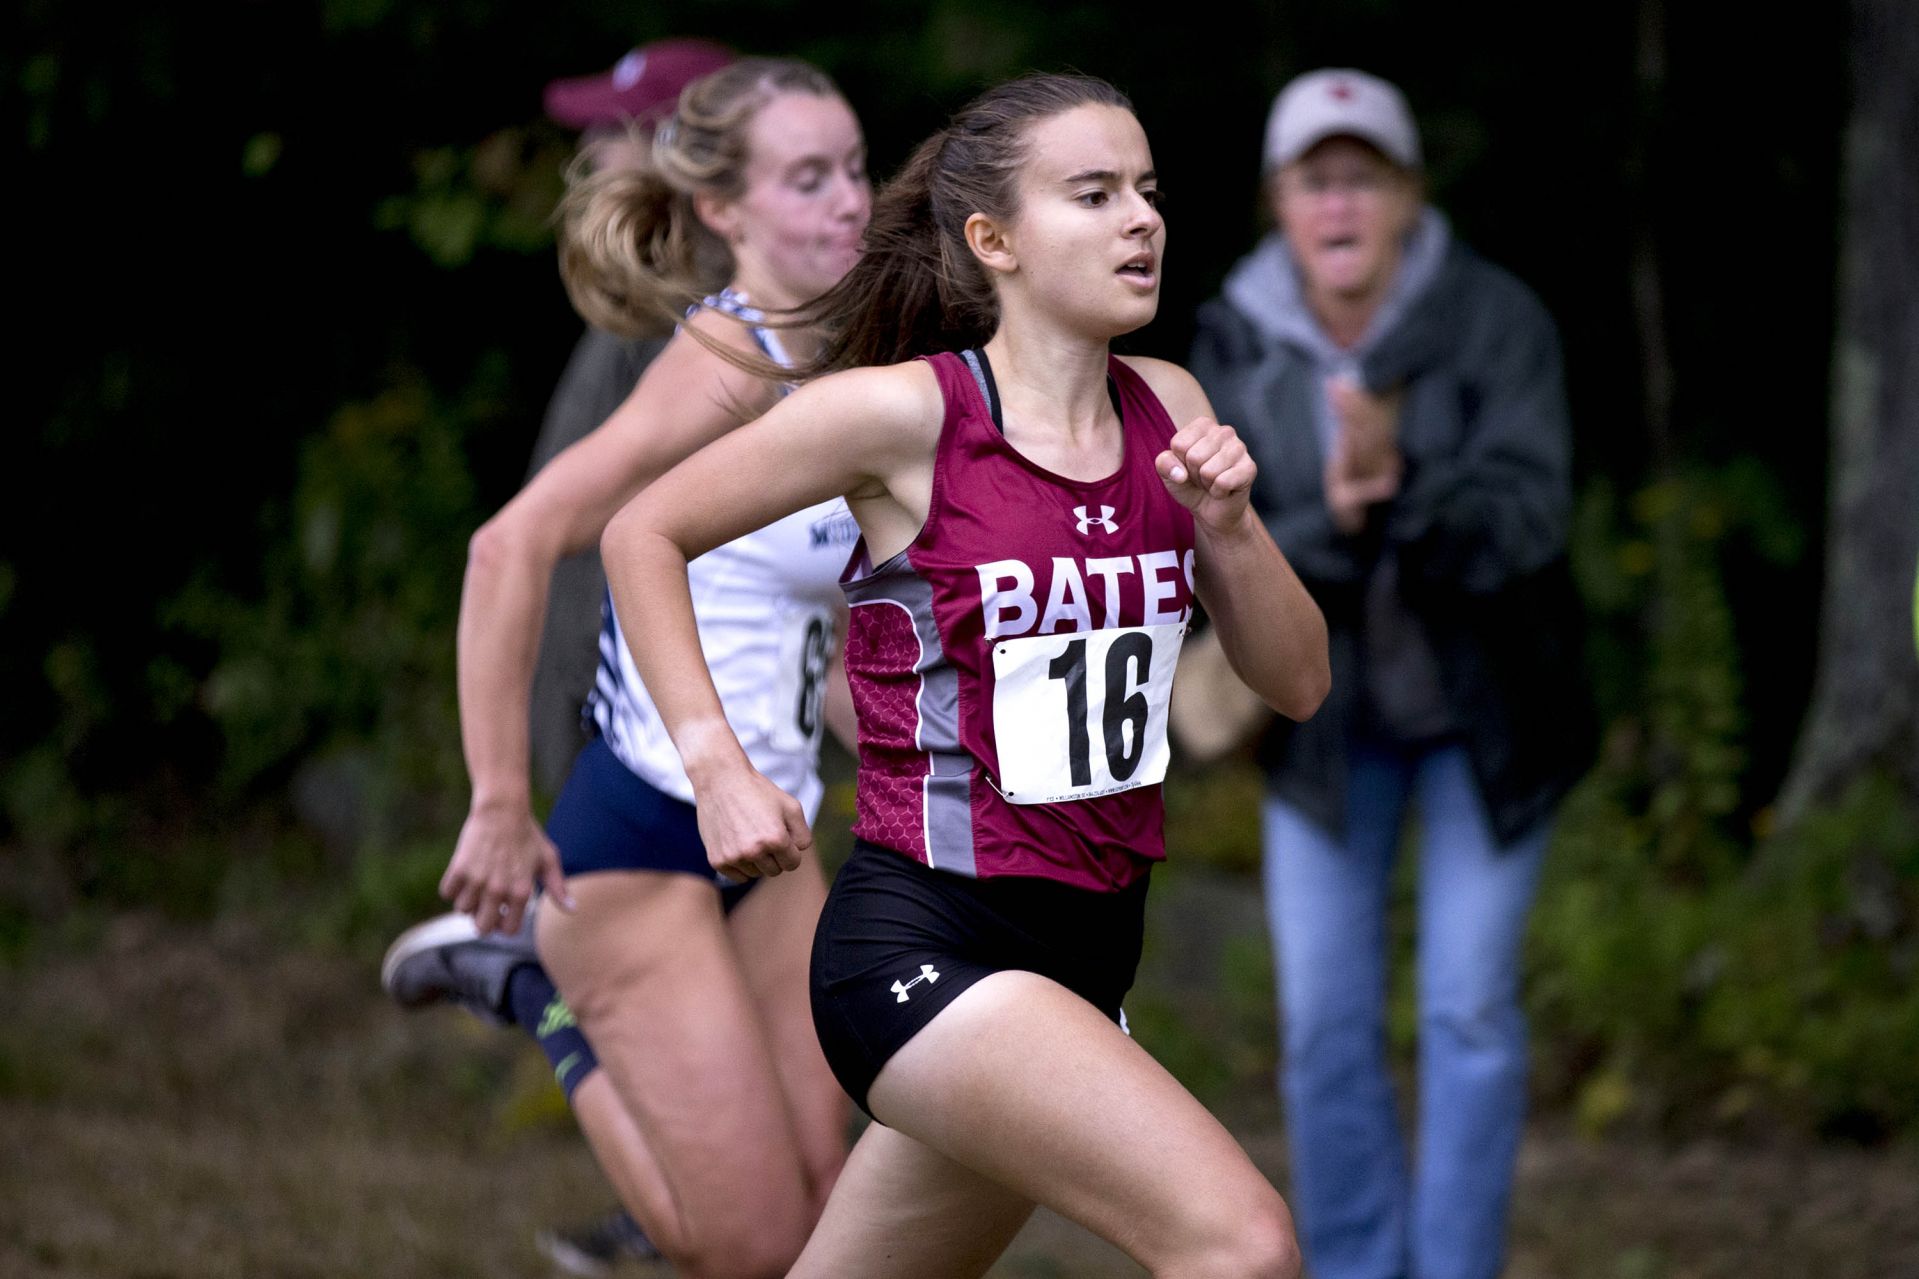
column 1080, row 715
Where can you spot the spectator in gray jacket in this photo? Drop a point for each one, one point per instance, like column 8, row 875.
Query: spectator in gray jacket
column 1403, row 399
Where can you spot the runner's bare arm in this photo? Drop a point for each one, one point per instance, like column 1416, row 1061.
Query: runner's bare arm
column 687, row 397
column 1272, row 631
column 866, row 434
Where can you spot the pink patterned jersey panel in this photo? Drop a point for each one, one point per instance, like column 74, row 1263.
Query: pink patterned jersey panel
column 882, row 652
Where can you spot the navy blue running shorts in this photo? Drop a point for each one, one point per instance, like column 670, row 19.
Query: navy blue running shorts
column 608, row 819
column 898, row 941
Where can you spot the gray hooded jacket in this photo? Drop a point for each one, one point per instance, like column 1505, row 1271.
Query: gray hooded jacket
column 1452, row 612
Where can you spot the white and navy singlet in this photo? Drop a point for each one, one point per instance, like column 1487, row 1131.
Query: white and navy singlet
column 765, row 605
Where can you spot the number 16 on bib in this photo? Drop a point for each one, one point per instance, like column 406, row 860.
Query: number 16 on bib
column 1081, row 715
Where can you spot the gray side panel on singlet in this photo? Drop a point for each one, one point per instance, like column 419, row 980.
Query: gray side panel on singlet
column 948, row 787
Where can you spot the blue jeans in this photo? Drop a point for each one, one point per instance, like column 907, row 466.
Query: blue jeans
column 1361, row 1215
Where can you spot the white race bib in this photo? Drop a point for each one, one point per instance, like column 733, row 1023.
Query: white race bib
column 799, row 685
column 1081, row 715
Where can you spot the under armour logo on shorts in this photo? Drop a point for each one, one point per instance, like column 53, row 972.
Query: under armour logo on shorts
column 900, row 988
column 1104, row 519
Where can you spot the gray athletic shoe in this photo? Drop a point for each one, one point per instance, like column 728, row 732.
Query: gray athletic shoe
column 445, row 958
column 596, row 1247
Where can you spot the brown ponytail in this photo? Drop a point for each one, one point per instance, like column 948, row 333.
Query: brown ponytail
column 917, row 288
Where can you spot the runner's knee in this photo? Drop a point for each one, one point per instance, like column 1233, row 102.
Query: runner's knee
column 1255, row 1244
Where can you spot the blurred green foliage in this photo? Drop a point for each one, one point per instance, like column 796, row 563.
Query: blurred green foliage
column 348, row 645
column 1781, row 990
column 498, row 194
column 1690, row 965
column 1744, row 985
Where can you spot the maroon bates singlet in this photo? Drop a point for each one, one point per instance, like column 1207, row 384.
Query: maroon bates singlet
column 1012, row 666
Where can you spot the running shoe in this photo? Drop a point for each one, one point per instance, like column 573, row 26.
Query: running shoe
column 446, row 959
column 596, row 1247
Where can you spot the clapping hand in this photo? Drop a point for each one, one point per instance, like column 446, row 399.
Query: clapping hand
column 1365, row 465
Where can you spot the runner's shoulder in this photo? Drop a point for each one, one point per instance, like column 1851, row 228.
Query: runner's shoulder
column 1177, row 389
column 885, row 407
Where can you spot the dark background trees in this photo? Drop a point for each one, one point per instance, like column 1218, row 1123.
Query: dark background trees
column 1865, row 710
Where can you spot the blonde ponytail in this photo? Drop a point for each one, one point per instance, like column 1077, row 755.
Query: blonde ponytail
column 634, row 253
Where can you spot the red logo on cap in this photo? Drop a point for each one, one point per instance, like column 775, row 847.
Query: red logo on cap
column 1340, row 90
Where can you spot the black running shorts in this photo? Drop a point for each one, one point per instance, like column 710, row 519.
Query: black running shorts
column 898, row 941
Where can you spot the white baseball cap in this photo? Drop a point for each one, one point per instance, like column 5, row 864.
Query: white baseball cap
column 1340, row 102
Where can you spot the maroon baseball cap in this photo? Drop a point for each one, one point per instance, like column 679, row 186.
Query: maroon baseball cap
column 642, row 86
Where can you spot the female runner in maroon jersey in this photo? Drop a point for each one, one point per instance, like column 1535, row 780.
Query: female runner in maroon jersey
column 1036, row 530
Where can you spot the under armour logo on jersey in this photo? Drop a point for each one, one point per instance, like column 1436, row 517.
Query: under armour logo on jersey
column 900, row 988
column 1104, row 519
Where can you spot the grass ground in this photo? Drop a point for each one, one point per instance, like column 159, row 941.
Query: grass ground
column 211, row 1102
